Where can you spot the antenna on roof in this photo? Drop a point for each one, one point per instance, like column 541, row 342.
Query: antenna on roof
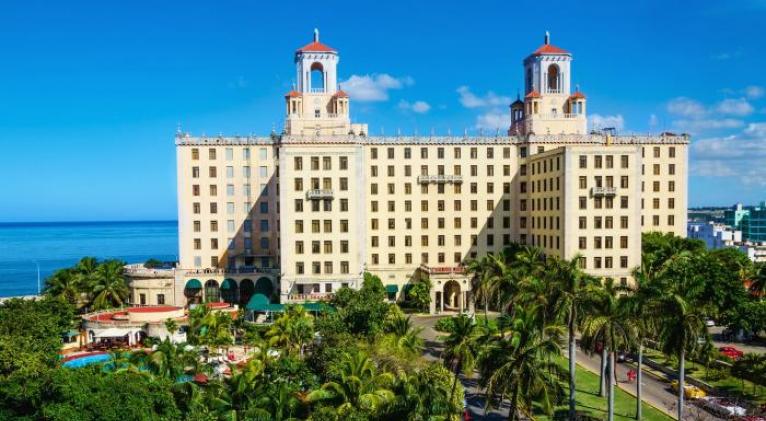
column 316, row 35
column 547, row 37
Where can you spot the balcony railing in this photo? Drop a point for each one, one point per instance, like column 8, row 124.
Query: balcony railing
column 440, row 179
column 317, row 90
column 603, row 191
column 232, row 271
column 314, row 296
column 443, row 270
column 319, row 194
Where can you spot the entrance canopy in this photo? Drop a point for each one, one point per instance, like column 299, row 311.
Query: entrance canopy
column 392, row 289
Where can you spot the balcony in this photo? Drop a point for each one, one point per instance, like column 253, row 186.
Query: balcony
column 318, row 194
column 603, row 191
column 440, row 179
column 312, row 296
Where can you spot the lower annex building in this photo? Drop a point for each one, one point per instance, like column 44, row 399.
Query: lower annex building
column 298, row 215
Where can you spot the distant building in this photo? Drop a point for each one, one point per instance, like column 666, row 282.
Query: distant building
column 755, row 251
column 714, row 235
column 750, row 219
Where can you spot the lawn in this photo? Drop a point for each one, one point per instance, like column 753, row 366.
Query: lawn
column 723, row 382
column 588, row 401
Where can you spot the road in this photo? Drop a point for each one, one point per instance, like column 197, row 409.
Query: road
column 655, row 391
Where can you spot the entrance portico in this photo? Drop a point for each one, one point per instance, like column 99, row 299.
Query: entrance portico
column 450, row 290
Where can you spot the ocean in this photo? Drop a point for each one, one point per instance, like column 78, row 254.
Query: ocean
column 56, row 245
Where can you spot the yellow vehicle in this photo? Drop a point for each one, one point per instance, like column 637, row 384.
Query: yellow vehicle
column 690, row 391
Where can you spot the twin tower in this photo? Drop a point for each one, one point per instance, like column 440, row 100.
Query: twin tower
column 317, row 106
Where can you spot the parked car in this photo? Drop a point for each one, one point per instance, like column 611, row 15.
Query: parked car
column 709, row 323
column 722, row 406
column 731, row 352
column 690, row 391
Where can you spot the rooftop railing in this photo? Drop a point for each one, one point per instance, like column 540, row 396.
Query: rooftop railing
column 440, row 179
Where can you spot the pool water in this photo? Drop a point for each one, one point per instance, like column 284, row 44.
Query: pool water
column 87, row 360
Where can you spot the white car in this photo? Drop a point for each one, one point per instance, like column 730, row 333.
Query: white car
column 722, row 406
column 709, row 323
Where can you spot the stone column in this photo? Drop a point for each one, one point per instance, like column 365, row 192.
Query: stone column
column 432, row 304
column 461, row 301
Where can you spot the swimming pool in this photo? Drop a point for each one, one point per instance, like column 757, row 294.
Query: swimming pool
column 84, row 360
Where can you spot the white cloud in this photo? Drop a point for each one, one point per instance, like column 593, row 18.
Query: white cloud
column 373, row 88
column 754, row 92
column 653, row 121
column 494, row 119
column 420, row 107
column 686, row 107
column 695, row 126
column 598, row 121
column 739, row 107
column 490, row 99
column 741, row 155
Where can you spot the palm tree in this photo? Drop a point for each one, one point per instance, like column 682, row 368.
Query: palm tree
column 292, row 330
column 608, row 322
column 109, row 287
column 170, row 361
column 638, row 305
column 359, row 386
column 404, row 335
column 573, row 291
column 215, row 330
column 460, row 347
column 520, row 367
column 680, row 320
column 758, row 282
column 64, row 284
column 481, row 281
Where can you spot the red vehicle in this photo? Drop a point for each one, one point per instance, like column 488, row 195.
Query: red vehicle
column 731, row 352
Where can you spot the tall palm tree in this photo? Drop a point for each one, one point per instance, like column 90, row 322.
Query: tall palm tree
column 109, row 287
column 638, row 303
column 64, row 284
column 573, row 291
column 520, row 367
column 360, row 386
column 608, row 322
column 404, row 335
column 460, row 347
column 758, row 281
column 481, row 280
column 170, row 361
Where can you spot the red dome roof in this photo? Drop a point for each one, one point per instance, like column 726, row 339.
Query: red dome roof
column 533, row 94
column 547, row 49
column 293, row 94
column 316, row 47
column 341, row 94
column 577, row 95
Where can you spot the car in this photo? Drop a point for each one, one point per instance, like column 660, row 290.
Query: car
column 622, row 357
column 709, row 323
column 731, row 352
column 690, row 391
column 722, row 406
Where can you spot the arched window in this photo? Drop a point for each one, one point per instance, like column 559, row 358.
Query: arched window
column 212, row 292
column 553, row 78
column 317, row 77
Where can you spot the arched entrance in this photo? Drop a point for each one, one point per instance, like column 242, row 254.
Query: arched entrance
column 451, row 295
column 264, row 286
column 229, row 291
column 246, row 289
column 193, row 291
column 212, row 291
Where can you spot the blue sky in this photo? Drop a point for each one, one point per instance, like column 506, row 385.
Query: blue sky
column 91, row 92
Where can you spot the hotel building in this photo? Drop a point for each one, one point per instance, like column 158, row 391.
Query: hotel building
column 296, row 216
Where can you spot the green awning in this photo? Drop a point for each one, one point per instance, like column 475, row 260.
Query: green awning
column 72, row 333
column 258, row 302
column 229, row 283
column 392, row 289
column 193, row 284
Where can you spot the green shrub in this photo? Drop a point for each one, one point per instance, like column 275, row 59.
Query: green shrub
column 444, row 324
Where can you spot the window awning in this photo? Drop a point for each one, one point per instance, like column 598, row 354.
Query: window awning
column 193, row 284
column 229, row 283
column 258, row 302
column 392, row 289
column 113, row 332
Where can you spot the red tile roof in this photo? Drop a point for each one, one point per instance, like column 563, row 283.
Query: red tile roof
column 317, row 47
column 341, row 94
column 533, row 94
column 293, row 94
column 155, row 309
column 577, row 95
column 547, row 49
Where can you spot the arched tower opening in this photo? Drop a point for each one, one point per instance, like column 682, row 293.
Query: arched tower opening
column 317, row 77
column 554, row 79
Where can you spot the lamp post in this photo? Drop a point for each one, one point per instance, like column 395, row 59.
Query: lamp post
column 38, row 277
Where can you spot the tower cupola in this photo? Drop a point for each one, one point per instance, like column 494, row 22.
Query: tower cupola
column 316, row 65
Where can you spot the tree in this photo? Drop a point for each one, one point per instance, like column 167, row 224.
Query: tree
column 64, row 284
column 109, row 288
column 419, row 294
column 481, row 280
column 292, row 330
column 681, row 324
column 404, row 337
column 520, row 367
column 608, row 323
column 460, row 347
column 424, row 395
column 363, row 312
column 573, row 291
column 359, row 387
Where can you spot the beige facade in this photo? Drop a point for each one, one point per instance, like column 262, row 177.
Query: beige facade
column 309, row 211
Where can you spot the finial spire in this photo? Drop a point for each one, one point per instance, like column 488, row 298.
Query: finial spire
column 316, row 35
column 547, row 37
